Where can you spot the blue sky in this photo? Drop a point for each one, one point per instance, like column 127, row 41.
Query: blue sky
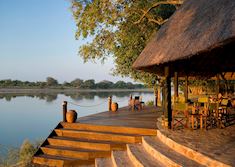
column 37, row 40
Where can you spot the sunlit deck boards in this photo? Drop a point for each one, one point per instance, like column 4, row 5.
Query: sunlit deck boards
column 125, row 138
column 125, row 117
column 96, row 136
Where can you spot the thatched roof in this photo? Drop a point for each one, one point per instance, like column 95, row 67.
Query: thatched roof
column 198, row 38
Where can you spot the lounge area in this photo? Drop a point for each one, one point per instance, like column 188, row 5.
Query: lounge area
column 204, row 112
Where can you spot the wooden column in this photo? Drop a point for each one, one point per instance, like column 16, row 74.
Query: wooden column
column 176, row 85
column 168, row 111
column 217, row 84
column 163, row 98
column 64, row 106
column 159, row 95
column 155, row 95
column 186, row 89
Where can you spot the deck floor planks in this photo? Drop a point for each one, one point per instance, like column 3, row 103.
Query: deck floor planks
column 146, row 118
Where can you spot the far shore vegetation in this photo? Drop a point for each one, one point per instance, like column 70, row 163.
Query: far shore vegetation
column 52, row 83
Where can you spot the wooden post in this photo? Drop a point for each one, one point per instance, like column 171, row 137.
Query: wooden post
column 168, row 111
column 109, row 102
column 155, row 95
column 217, row 84
column 163, row 98
column 176, row 86
column 186, row 89
column 64, row 110
column 159, row 95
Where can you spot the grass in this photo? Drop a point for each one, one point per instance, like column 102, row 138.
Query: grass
column 22, row 156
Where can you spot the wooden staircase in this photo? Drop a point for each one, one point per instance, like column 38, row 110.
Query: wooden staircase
column 79, row 144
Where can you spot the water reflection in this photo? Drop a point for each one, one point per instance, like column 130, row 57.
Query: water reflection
column 41, row 96
column 33, row 115
column 50, row 97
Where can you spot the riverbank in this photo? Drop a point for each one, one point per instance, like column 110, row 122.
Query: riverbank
column 67, row 90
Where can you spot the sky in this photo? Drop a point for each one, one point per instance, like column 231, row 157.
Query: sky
column 37, row 40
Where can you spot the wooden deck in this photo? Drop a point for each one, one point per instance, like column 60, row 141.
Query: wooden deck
column 125, row 117
column 126, row 138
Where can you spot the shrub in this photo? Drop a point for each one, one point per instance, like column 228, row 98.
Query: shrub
column 150, row 103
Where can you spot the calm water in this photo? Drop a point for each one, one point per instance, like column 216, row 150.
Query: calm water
column 33, row 116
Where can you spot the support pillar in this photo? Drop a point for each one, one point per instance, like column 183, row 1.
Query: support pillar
column 155, row 95
column 217, row 84
column 159, row 95
column 186, row 89
column 176, row 86
column 168, row 111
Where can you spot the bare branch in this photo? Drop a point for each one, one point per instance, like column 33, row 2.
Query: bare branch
column 158, row 22
column 145, row 12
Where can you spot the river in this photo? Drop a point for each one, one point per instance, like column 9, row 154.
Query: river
column 34, row 116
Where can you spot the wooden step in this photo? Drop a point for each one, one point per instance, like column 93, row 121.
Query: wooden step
column 74, row 152
column 121, row 159
column 127, row 138
column 103, row 162
column 49, row 160
column 165, row 154
column 86, row 144
column 112, row 129
column 139, row 157
column 188, row 152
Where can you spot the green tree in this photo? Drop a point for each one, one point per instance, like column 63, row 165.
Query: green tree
column 51, row 81
column 120, row 84
column 130, row 85
column 121, row 29
column 104, row 85
column 77, row 83
column 89, row 84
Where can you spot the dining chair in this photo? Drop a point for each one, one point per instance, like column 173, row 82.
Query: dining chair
column 210, row 119
column 179, row 115
column 223, row 115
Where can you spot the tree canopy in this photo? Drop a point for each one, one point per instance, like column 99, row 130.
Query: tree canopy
column 119, row 28
column 76, row 83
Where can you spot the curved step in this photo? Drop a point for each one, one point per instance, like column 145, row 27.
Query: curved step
column 73, row 152
column 103, row 162
column 165, row 154
column 121, row 159
column 99, row 135
column 139, row 157
column 49, row 160
column 86, row 143
column 111, row 129
column 189, row 153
